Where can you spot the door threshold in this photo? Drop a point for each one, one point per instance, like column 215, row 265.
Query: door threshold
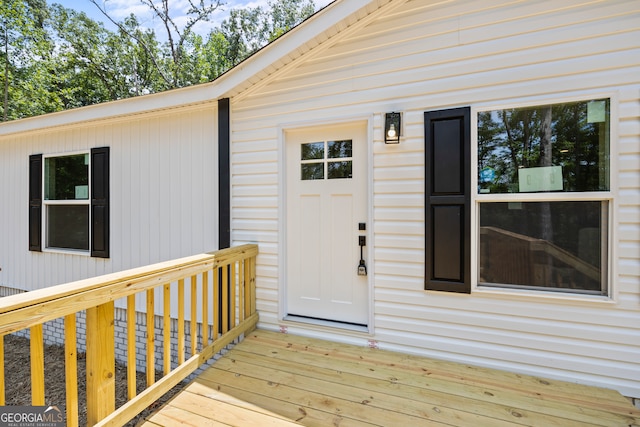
column 356, row 327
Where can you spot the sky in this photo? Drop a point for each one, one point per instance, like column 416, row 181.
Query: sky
column 119, row 9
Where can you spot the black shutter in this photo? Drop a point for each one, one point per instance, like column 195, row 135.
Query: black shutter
column 35, row 202
column 100, row 202
column 447, row 200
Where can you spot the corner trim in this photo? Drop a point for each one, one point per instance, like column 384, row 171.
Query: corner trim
column 224, row 173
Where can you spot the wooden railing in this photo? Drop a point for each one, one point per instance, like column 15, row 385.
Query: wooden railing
column 224, row 279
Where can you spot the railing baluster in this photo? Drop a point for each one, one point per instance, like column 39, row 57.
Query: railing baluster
column 225, row 299
column 241, row 291
column 37, row 365
column 2, row 388
column 166, row 322
column 216, row 303
column 71, row 369
column 151, row 338
column 194, row 314
column 247, row 287
column 131, row 346
column 205, row 308
column 252, row 286
column 232, row 296
column 180, row 321
column 247, row 294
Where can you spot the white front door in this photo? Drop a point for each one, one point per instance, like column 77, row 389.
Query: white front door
column 326, row 211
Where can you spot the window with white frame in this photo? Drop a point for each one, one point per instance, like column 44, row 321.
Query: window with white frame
column 66, row 202
column 543, row 197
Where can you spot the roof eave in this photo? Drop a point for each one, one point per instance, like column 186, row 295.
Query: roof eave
column 191, row 95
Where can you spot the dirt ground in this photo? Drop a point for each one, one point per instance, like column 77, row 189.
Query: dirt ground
column 18, row 380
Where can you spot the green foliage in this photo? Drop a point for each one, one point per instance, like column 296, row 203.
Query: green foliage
column 25, row 55
column 286, row 14
column 54, row 58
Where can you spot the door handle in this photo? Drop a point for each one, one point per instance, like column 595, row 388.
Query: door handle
column 362, row 267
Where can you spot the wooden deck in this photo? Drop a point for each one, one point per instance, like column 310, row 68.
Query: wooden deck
column 272, row 379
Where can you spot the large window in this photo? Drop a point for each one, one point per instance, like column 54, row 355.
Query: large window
column 544, row 197
column 69, row 202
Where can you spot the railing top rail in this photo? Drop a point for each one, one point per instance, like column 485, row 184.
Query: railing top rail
column 25, row 310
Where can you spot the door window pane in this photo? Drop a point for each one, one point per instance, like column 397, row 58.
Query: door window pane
column 68, row 226
column 311, row 171
column 312, row 151
column 340, row 149
column 558, row 245
column 339, row 170
column 558, row 147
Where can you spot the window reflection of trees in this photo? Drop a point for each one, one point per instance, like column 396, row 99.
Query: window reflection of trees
column 311, row 171
column 340, row 170
column 339, row 149
column 559, row 135
column 312, row 151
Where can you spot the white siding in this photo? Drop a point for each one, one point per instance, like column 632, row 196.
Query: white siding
column 164, row 194
column 415, row 56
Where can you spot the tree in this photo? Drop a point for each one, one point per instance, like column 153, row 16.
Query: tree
column 286, row 14
column 247, row 30
column 242, row 32
column 54, row 58
column 178, row 38
column 25, row 51
column 85, row 75
column 186, row 58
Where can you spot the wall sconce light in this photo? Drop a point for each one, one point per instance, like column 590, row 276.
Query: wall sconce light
column 392, row 127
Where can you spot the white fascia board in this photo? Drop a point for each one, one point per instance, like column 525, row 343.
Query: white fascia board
column 126, row 107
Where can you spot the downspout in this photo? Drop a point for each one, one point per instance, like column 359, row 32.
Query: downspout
column 224, row 174
column 5, row 103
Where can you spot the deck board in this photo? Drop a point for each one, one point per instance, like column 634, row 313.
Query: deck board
column 272, row 379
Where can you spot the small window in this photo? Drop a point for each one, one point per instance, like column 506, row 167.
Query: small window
column 543, row 197
column 66, row 202
column 326, row 160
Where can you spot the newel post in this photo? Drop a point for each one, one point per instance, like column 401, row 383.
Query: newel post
column 101, row 384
